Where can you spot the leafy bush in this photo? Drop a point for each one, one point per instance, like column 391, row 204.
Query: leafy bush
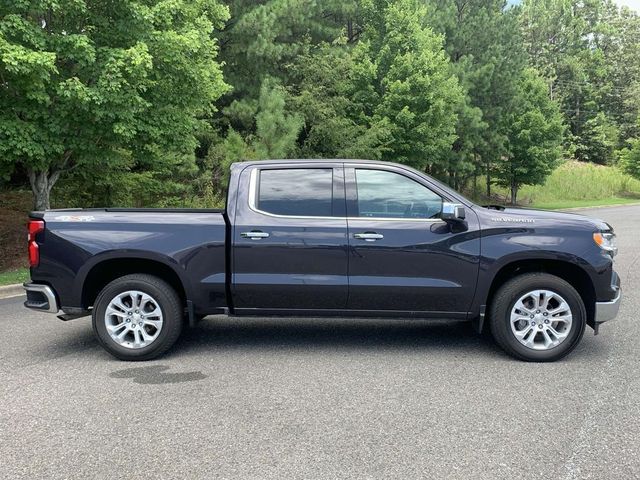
column 630, row 158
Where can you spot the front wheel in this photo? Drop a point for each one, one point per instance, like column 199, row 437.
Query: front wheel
column 137, row 317
column 537, row 317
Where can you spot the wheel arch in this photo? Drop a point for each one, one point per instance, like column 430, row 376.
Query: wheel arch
column 106, row 270
column 573, row 274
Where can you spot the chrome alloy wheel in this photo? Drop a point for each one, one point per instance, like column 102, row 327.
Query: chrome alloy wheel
column 133, row 319
column 541, row 319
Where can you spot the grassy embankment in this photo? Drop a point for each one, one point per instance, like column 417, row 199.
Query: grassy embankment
column 577, row 184
column 19, row 275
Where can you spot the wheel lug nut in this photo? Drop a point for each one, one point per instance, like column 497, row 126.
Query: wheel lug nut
column 533, row 324
column 546, row 321
column 540, row 326
column 137, row 311
column 128, row 313
column 128, row 320
column 530, row 316
column 546, row 314
column 537, row 311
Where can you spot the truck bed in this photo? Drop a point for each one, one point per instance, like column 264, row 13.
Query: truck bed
column 79, row 245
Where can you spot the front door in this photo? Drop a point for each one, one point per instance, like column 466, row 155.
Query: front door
column 403, row 257
column 290, row 239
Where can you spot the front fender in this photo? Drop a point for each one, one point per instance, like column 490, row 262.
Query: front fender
column 537, row 248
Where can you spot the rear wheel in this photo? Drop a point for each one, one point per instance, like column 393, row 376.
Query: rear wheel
column 537, row 317
column 137, row 317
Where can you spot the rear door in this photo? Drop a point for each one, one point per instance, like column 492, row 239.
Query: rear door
column 403, row 257
column 290, row 239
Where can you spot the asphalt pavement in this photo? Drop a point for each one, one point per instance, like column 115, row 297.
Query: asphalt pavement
column 270, row 398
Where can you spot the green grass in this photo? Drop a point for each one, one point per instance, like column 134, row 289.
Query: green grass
column 577, row 184
column 605, row 202
column 10, row 277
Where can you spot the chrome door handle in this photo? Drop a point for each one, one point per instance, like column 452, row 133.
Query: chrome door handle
column 254, row 235
column 368, row 236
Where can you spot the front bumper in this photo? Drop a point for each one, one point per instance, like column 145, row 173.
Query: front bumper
column 606, row 311
column 41, row 297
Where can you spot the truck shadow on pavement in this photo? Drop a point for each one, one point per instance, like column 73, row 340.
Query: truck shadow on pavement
column 444, row 337
column 220, row 334
column 330, row 334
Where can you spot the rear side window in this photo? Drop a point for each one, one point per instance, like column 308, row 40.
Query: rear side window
column 296, row 191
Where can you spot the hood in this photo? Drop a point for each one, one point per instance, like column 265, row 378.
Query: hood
column 524, row 216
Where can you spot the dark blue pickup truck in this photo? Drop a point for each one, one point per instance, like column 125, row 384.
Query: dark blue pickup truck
column 326, row 238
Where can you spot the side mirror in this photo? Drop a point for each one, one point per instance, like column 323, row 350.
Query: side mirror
column 452, row 211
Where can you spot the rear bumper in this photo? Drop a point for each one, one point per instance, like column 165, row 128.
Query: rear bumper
column 41, row 297
column 606, row 311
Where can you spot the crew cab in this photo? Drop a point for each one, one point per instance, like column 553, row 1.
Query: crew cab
column 343, row 238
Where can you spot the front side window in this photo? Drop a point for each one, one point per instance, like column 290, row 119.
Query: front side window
column 296, row 191
column 384, row 194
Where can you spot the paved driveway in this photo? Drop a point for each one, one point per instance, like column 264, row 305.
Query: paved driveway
column 267, row 398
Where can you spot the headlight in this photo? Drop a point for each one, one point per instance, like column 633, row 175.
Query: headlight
column 606, row 241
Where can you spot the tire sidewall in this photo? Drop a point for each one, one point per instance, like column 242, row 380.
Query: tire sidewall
column 543, row 282
column 169, row 316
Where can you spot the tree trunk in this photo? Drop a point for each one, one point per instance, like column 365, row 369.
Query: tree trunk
column 41, row 184
column 488, row 180
column 514, row 193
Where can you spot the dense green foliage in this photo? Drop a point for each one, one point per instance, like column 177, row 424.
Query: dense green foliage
column 135, row 102
column 630, row 158
column 104, row 88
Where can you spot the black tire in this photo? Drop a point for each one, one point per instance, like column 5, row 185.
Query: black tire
column 510, row 292
column 168, row 301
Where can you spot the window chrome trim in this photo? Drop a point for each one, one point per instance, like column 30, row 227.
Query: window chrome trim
column 397, row 219
column 253, row 193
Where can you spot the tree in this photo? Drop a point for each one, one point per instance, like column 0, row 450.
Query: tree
column 535, row 135
column 599, row 138
column 630, row 158
column 89, row 85
column 483, row 41
column 336, row 96
column 588, row 53
column 276, row 130
column 275, row 136
column 265, row 40
column 418, row 92
column 370, row 78
column 620, row 43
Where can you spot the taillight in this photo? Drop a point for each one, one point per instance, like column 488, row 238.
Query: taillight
column 34, row 227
